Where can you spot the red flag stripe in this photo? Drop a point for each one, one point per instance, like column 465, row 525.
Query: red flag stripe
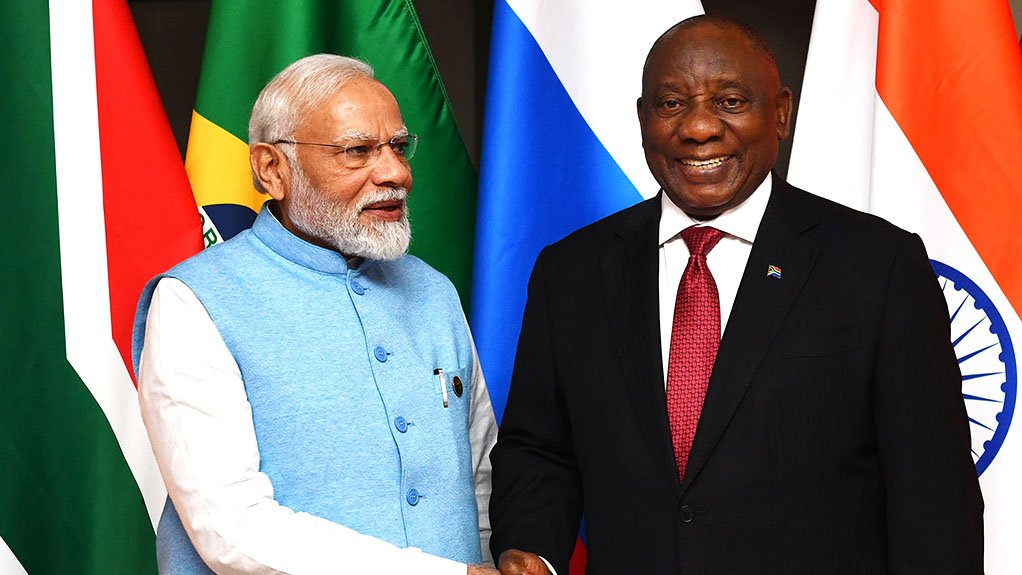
column 577, row 566
column 151, row 218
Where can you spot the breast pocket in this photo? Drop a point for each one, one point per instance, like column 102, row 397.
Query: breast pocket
column 452, row 385
column 821, row 343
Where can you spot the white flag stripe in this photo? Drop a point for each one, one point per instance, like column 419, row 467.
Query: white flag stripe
column 9, row 564
column 837, row 100
column 83, row 256
column 603, row 78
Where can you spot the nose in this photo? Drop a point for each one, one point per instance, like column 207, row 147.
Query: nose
column 389, row 169
column 700, row 124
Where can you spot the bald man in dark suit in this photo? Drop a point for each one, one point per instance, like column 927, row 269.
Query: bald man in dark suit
column 735, row 376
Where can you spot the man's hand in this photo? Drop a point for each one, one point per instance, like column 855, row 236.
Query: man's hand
column 515, row 562
column 482, row 570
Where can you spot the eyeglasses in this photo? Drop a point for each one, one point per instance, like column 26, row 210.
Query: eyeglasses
column 358, row 153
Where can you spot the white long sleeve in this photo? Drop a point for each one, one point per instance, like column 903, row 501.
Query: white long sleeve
column 482, row 434
column 200, row 424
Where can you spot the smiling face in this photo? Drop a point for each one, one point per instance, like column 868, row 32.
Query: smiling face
column 712, row 113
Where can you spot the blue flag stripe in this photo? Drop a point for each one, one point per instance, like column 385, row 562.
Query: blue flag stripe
column 543, row 175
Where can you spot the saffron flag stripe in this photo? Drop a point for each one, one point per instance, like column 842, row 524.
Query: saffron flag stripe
column 975, row 53
column 90, row 345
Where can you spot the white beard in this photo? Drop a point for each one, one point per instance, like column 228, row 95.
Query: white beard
column 337, row 224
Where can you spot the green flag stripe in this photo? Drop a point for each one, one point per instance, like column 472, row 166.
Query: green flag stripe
column 249, row 42
column 68, row 502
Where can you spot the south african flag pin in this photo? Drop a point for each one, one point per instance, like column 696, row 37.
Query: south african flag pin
column 774, row 272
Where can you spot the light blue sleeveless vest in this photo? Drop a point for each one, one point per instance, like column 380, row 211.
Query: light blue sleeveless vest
column 339, row 367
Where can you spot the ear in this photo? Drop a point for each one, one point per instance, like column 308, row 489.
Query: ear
column 271, row 169
column 638, row 109
column 784, row 103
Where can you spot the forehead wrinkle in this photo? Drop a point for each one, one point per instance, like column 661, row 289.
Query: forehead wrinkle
column 732, row 83
column 717, row 85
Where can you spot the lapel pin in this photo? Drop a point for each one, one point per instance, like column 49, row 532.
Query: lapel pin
column 774, row 272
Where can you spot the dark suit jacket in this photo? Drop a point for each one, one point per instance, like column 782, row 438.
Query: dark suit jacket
column 833, row 437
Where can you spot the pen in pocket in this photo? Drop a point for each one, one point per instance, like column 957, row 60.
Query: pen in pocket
column 439, row 372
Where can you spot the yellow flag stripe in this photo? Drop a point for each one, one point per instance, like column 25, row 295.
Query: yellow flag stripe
column 218, row 168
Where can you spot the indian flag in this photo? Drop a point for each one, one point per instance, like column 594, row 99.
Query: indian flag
column 97, row 203
column 249, row 41
column 912, row 110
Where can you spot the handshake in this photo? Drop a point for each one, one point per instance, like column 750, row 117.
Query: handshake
column 513, row 562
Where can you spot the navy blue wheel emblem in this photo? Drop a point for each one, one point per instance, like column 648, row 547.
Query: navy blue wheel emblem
column 986, row 358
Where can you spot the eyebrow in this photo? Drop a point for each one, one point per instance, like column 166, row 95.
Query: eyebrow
column 361, row 135
column 353, row 135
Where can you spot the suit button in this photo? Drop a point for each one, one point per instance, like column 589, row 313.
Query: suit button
column 687, row 515
column 380, row 353
column 358, row 288
column 401, row 424
column 412, row 497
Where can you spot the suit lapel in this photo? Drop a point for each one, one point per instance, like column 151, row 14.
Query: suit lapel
column 759, row 309
column 629, row 270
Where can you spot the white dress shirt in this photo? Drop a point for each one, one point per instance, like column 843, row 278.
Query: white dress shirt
column 200, row 423
column 726, row 260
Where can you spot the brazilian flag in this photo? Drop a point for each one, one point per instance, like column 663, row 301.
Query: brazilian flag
column 250, row 41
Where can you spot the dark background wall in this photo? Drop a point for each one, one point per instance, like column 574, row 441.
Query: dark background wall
column 173, row 33
column 458, row 31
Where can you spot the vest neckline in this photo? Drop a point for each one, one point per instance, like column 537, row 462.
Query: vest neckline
column 271, row 232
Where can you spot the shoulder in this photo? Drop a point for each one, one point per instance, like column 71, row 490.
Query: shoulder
column 589, row 240
column 836, row 223
column 233, row 250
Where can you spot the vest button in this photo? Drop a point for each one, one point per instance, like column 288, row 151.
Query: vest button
column 412, row 497
column 380, row 353
column 401, row 424
column 358, row 288
column 686, row 514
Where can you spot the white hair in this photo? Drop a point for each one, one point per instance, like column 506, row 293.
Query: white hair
column 306, row 83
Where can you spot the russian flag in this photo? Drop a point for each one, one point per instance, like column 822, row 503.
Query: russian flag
column 561, row 145
column 561, row 148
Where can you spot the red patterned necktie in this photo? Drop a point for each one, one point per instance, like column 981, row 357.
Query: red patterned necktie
column 695, row 337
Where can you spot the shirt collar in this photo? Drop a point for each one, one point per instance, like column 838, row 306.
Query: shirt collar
column 741, row 221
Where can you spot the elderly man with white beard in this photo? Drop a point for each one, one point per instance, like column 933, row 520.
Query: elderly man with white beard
column 312, row 392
